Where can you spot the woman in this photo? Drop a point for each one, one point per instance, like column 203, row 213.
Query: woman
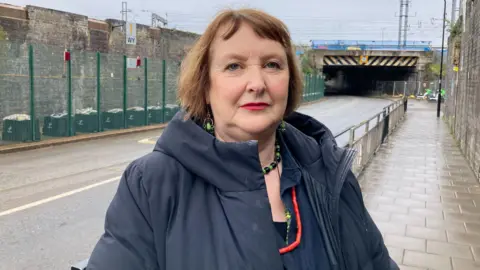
column 238, row 180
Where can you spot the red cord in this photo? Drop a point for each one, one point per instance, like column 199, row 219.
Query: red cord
column 295, row 244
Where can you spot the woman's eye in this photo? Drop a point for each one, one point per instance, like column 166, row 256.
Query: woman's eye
column 233, row 66
column 273, row 65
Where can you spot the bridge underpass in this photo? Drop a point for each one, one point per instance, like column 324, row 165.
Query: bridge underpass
column 363, row 80
column 359, row 70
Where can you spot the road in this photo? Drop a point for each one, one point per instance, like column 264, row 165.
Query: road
column 53, row 200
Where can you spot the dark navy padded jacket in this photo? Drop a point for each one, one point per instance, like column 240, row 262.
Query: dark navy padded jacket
column 196, row 203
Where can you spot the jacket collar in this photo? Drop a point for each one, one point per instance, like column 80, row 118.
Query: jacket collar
column 236, row 166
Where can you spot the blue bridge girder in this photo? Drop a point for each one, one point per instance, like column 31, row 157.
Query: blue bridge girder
column 372, row 45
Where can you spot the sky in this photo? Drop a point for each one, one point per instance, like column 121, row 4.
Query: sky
column 306, row 19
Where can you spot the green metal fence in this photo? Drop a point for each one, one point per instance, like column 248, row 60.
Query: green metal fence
column 314, row 87
column 93, row 92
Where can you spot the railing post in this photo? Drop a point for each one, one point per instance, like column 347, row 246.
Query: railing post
column 99, row 94
column 164, row 88
column 69, row 96
column 125, row 81
column 385, row 125
column 367, row 126
column 145, row 105
column 32, row 93
column 351, row 138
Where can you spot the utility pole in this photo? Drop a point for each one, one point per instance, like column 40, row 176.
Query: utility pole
column 454, row 9
column 124, row 12
column 439, row 101
column 156, row 19
column 405, row 27
column 403, row 22
column 400, row 24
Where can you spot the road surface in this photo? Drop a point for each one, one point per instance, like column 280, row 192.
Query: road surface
column 53, row 200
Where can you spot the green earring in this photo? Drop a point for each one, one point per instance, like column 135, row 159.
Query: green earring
column 282, row 126
column 208, row 124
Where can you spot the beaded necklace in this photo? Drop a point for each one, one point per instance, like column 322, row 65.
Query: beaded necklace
column 288, row 215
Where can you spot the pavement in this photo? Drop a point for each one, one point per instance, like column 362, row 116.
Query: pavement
column 423, row 196
column 53, row 200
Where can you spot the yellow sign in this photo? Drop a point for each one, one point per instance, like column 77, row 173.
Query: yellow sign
column 363, row 59
column 131, row 33
column 455, row 68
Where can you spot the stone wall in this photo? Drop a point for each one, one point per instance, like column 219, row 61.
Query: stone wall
column 51, row 32
column 462, row 108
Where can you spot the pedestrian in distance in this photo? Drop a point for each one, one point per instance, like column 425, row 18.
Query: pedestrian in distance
column 239, row 180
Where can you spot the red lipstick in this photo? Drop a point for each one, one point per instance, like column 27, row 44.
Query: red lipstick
column 257, row 106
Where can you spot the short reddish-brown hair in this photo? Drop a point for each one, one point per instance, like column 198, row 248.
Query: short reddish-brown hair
column 194, row 80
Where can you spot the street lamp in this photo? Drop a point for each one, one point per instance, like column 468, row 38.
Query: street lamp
column 439, row 101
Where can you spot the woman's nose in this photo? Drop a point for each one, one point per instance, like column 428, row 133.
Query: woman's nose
column 256, row 79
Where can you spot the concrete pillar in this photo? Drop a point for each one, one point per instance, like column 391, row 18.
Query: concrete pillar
column 318, row 62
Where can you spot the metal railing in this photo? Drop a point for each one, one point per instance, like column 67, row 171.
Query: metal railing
column 367, row 136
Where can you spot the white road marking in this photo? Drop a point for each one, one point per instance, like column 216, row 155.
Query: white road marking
column 149, row 140
column 56, row 197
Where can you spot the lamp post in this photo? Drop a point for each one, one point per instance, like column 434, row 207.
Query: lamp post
column 439, row 101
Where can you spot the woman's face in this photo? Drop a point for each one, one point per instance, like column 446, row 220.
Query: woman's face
column 249, row 78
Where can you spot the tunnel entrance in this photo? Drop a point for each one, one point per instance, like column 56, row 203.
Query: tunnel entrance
column 363, row 80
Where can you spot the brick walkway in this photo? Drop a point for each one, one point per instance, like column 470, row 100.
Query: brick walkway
column 423, row 195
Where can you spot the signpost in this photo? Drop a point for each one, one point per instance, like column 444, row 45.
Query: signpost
column 131, row 33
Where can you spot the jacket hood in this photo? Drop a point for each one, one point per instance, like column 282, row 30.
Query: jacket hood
column 236, row 166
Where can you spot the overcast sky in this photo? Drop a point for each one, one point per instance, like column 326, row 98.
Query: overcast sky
column 307, row 19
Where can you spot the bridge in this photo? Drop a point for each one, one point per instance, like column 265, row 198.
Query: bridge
column 365, row 62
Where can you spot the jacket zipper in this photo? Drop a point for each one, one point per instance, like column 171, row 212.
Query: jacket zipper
column 342, row 170
column 331, row 234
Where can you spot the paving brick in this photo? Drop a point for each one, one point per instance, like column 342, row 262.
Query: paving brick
column 391, row 208
column 424, row 212
column 426, row 233
column 464, row 238
column 404, row 267
column 410, row 203
column 407, row 219
column 458, row 201
column 429, row 261
column 459, row 217
column 445, row 207
column 469, row 209
column 465, row 264
column 391, row 228
column 445, row 224
column 448, row 249
column 378, row 216
column 476, row 253
column 472, row 228
column 380, row 199
column 404, row 242
column 429, row 208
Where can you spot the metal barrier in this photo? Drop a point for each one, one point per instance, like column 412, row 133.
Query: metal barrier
column 367, row 136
